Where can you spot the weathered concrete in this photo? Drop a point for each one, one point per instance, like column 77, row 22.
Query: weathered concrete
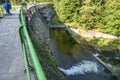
column 11, row 57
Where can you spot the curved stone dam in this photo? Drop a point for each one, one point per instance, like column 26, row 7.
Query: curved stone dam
column 63, row 56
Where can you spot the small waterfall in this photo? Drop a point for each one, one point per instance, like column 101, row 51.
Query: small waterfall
column 81, row 68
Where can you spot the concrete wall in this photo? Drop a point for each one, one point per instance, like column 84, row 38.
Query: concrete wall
column 39, row 33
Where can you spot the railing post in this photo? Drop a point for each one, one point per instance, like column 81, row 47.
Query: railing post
column 24, row 11
column 24, row 8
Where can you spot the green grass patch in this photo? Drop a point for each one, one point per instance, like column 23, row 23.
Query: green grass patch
column 105, row 44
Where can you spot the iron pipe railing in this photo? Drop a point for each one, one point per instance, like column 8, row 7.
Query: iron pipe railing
column 27, row 70
column 38, row 68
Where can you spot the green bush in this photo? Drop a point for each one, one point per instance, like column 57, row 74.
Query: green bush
column 67, row 10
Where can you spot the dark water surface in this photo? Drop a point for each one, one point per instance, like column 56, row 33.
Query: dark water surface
column 76, row 62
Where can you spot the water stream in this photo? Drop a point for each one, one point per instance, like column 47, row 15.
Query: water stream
column 76, row 62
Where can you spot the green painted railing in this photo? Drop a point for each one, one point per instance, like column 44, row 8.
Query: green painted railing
column 24, row 35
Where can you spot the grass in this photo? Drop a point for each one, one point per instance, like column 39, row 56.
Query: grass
column 105, row 44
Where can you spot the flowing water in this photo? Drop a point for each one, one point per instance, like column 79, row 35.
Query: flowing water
column 81, row 68
column 76, row 62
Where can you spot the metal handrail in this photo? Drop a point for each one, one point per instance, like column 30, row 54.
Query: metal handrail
column 23, row 32
column 24, row 53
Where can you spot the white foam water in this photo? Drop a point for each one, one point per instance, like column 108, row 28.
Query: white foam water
column 81, row 68
column 97, row 54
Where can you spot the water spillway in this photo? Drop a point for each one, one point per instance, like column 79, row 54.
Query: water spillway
column 61, row 56
column 76, row 62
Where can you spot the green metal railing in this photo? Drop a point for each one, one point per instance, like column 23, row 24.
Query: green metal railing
column 24, row 35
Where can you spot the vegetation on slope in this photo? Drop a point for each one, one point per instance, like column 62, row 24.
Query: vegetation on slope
column 102, row 15
column 105, row 45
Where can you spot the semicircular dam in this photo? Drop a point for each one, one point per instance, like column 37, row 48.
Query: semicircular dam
column 63, row 56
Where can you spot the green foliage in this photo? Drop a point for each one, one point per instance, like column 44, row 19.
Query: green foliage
column 93, row 14
column 43, row 0
column 105, row 44
column 74, row 26
column 1, row 11
column 55, row 21
column 67, row 10
column 110, row 18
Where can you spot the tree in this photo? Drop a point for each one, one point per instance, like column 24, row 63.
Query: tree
column 67, row 9
column 93, row 14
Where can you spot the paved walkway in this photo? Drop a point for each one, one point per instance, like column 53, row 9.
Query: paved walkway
column 11, row 57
